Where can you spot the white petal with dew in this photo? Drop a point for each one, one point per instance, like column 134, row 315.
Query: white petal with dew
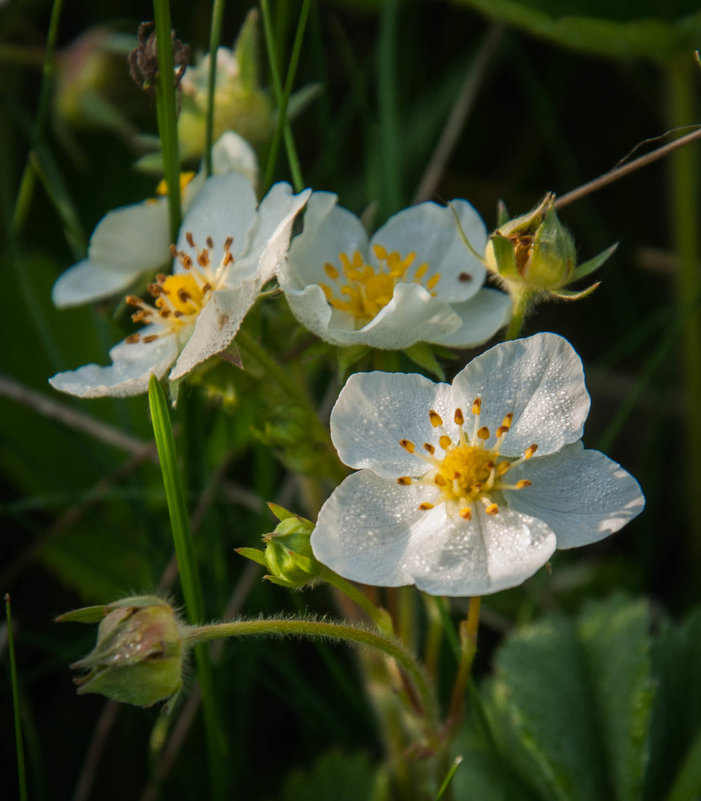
column 216, row 326
column 232, row 153
column 270, row 237
column 224, row 207
column 374, row 411
column 452, row 556
column 541, row 380
column 482, row 316
column 132, row 366
column 362, row 532
column 328, row 231
column 431, row 231
column 133, row 239
column 87, row 281
column 581, row 494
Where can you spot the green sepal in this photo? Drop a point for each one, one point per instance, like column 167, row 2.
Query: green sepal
column 593, row 264
column 422, row 353
column 254, row 554
column 280, row 512
column 347, row 357
column 246, row 53
column 570, row 294
column 504, row 255
column 88, row 614
column 502, row 213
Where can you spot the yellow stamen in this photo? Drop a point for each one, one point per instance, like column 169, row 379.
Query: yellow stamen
column 435, row 418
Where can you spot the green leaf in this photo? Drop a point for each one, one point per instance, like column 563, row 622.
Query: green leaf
column 422, row 354
column 640, row 36
column 545, row 716
column 590, row 266
column 687, row 786
column 617, row 644
column 342, row 777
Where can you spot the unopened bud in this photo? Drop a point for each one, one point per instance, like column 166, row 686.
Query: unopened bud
column 138, row 657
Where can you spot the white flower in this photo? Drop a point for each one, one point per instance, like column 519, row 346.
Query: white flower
column 134, row 240
column 227, row 250
column 450, row 495
column 413, row 281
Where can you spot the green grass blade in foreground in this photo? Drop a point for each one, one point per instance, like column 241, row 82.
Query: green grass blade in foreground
column 21, row 771
column 214, row 39
column 166, row 112
column 189, row 580
column 282, row 97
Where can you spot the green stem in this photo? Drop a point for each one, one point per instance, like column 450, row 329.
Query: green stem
column 282, row 97
column 214, row 39
column 189, row 580
column 379, row 616
column 521, row 300
column 390, row 140
column 167, row 113
column 21, row 770
column 685, row 213
column 468, row 643
column 335, row 631
column 26, row 188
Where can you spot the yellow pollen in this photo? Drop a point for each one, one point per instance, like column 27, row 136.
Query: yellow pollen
column 185, row 178
column 470, row 471
column 183, row 293
column 435, row 418
column 363, row 289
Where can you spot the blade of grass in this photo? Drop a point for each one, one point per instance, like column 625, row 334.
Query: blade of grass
column 166, row 112
column 214, row 39
column 21, row 770
column 282, row 97
column 390, row 141
column 189, row 580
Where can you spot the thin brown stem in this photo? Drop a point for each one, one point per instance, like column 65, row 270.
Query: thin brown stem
column 620, row 172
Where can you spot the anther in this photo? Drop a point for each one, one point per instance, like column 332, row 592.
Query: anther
column 430, row 448
column 150, row 338
column 132, row 300
column 408, row 445
column 524, row 482
column 439, row 480
column 445, row 442
column 173, row 251
column 466, row 513
column 228, row 259
column 132, row 338
column 501, row 431
column 503, row 468
column 483, row 433
column 530, row 450
column 184, row 296
column 459, row 417
column 492, row 509
column 228, row 242
column 404, row 481
column 508, row 419
column 424, row 507
column 210, row 242
column 476, row 405
column 435, row 418
column 190, row 240
column 203, row 258
column 331, row 271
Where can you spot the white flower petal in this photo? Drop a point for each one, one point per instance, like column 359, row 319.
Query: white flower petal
column 581, row 494
column 363, row 529
column 87, row 281
column 224, row 207
column 132, row 366
column 374, row 411
column 232, row 153
column 271, row 234
column 328, row 231
column 431, row 231
column 216, row 326
column 451, row 556
column 482, row 316
column 540, row 379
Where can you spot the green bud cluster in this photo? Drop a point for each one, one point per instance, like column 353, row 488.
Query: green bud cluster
column 287, row 554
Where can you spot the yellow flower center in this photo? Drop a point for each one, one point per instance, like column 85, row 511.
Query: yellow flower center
column 468, row 471
column 362, row 290
column 185, row 178
column 180, row 298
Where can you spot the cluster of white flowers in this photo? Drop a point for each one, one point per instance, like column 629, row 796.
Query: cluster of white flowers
column 461, row 489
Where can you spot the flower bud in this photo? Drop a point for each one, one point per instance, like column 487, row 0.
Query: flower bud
column 535, row 254
column 287, row 554
column 138, row 657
